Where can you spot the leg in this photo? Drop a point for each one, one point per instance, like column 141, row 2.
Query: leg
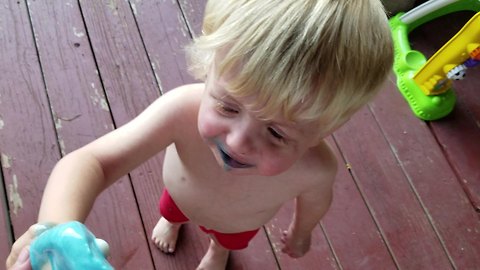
column 216, row 257
column 165, row 235
column 220, row 246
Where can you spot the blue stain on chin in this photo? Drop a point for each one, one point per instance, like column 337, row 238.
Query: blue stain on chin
column 229, row 163
column 223, row 155
column 68, row 246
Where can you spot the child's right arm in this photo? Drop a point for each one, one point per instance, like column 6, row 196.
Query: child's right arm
column 82, row 175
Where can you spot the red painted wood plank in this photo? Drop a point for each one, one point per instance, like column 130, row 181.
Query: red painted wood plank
column 355, row 238
column 28, row 146
column 193, row 11
column 127, row 75
column 70, row 75
column 165, row 35
column 436, row 185
column 5, row 234
column 457, row 133
column 404, row 225
column 130, row 85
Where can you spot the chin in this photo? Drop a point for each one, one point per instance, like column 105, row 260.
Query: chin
column 272, row 171
column 243, row 172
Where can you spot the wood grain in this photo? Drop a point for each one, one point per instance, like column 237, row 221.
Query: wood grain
column 431, row 177
column 404, row 225
column 81, row 114
column 355, row 238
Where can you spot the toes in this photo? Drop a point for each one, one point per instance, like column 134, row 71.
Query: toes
column 164, row 247
column 168, row 249
column 171, row 249
column 156, row 241
column 165, row 235
column 159, row 244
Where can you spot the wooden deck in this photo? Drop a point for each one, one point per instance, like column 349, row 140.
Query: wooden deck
column 407, row 198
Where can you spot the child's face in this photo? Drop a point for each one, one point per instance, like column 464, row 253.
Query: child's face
column 244, row 144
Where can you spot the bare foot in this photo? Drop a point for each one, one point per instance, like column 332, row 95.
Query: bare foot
column 215, row 259
column 165, row 235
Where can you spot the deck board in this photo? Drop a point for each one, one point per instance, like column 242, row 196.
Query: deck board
column 193, row 12
column 405, row 197
column 28, row 145
column 402, row 221
column 432, row 179
column 81, row 114
column 354, row 236
column 130, row 85
column 459, row 141
column 5, row 232
column 165, row 35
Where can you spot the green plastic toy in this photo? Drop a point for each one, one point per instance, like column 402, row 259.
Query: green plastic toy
column 408, row 62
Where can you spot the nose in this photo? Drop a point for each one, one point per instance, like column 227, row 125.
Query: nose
column 240, row 138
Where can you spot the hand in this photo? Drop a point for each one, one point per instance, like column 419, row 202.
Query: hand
column 23, row 260
column 19, row 255
column 295, row 246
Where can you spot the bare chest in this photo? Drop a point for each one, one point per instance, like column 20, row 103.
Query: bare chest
column 215, row 198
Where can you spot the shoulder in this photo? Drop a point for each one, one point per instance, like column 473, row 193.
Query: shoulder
column 164, row 120
column 186, row 96
column 327, row 161
column 177, row 105
column 181, row 105
column 320, row 166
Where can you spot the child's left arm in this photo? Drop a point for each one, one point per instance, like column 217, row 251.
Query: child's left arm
column 310, row 207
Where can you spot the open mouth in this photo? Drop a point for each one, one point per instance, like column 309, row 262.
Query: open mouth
column 229, row 162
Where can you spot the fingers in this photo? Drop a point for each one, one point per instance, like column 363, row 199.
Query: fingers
column 17, row 247
column 23, row 261
column 24, row 240
column 285, row 248
column 283, row 238
column 293, row 248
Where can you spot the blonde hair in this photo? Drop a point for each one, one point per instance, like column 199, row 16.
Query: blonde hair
column 309, row 60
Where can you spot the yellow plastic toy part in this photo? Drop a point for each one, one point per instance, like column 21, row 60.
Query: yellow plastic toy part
column 465, row 44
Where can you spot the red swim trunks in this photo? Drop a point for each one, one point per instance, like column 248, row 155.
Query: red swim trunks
column 231, row 241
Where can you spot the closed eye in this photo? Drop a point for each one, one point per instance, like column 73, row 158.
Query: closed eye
column 226, row 109
column 275, row 134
